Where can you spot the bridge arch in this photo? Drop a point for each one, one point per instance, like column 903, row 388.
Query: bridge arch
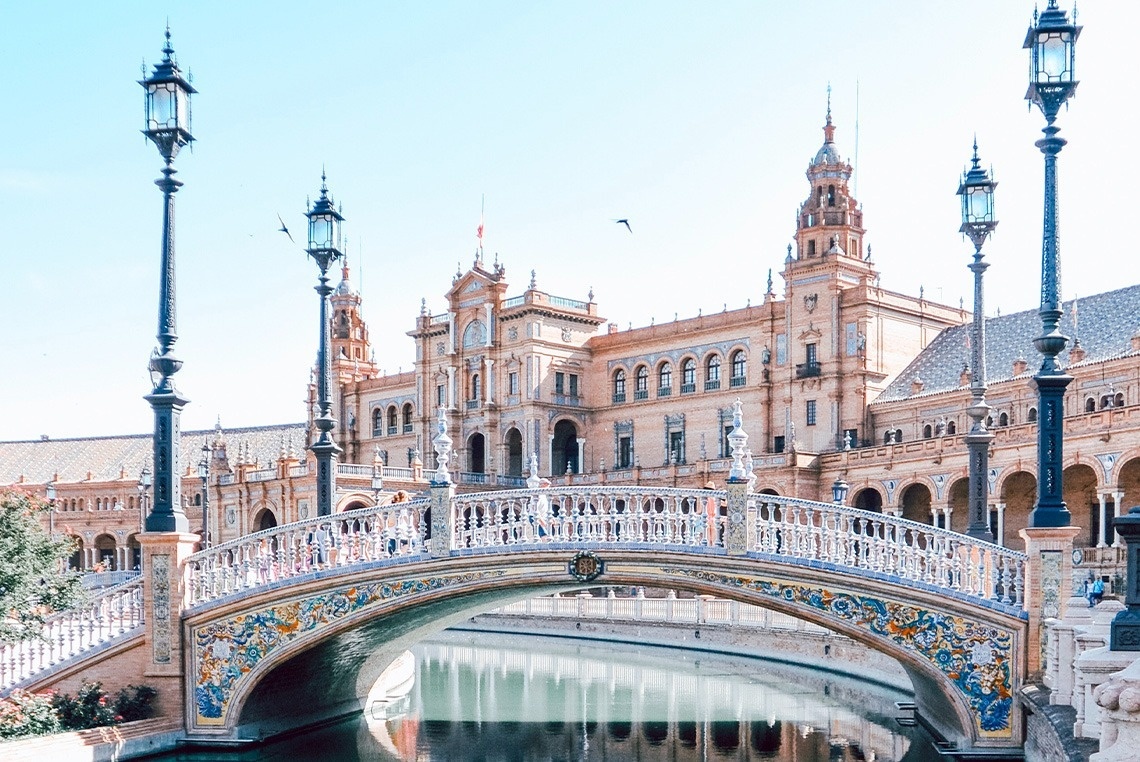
column 335, row 632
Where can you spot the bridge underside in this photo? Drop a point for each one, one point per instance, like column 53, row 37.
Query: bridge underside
column 258, row 665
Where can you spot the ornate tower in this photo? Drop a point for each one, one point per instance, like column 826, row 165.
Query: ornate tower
column 351, row 352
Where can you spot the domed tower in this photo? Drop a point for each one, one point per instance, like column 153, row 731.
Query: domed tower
column 830, row 221
column 351, row 352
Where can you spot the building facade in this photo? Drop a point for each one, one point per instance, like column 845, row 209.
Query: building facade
column 838, row 378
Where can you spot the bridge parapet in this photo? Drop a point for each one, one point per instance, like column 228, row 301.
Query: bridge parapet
column 104, row 616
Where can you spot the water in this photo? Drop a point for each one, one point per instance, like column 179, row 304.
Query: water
column 482, row 696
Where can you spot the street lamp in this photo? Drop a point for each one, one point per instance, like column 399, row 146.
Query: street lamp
column 324, row 248
column 977, row 192
column 168, row 126
column 839, row 490
column 204, row 475
column 49, row 493
column 1051, row 41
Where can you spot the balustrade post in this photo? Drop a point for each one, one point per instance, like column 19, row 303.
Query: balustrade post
column 1048, row 583
column 442, row 519
column 166, row 592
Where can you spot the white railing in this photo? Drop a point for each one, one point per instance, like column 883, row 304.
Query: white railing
column 292, row 550
column 104, row 616
column 397, row 472
column 353, row 469
column 700, row 610
column 93, row 580
column 299, row 470
column 264, row 475
column 784, row 530
column 789, row 530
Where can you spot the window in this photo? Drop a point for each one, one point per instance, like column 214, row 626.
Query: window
column 619, row 385
column 1003, row 419
column 927, row 431
column 392, row 419
column 559, row 383
column 850, row 438
column 625, row 452
column 688, row 376
column 408, row 418
column 476, row 387
column 811, row 248
column 831, row 195
column 1032, row 416
column 665, row 380
column 725, row 444
column 810, row 412
column 377, row 422
column 712, row 373
column 1090, row 405
column 440, row 395
column 677, row 447
column 641, row 384
column 739, row 366
column 812, row 354
column 951, row 427
column 513, row 382
column 474, row 335
column 573, row 384
column 778, row 444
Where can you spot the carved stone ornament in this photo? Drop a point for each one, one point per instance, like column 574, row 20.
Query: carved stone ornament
column 810, row 302
column 585, row 567
column 566, row 334
column 231, row 516
column 440, row 349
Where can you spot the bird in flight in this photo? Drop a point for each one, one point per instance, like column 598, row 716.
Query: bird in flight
column 626, row 223
column 284, row 229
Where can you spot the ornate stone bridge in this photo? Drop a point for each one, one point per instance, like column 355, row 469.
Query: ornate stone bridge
column 294, row 624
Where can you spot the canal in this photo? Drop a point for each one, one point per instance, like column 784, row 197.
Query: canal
column 492, row 696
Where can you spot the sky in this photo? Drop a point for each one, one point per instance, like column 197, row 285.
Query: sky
column 695, row 121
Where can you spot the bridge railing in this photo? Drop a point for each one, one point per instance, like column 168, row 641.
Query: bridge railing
column 799, row 531
column 293, row 550
column 107, row 614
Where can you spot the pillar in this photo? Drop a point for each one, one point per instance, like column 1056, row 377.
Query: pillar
column 166, row 592
column 1102, row 533
column 1117, row 499
column 488, row 377
column 581, row 454
column 451, row 387
column 550, row 452
column 1048, row 583
column 1000, row 523
column 451, row 332
column 739, row 534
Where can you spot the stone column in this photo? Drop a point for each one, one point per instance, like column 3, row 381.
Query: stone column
column 581, row 454
column 451, row 332
column 1000, row 523
column 1048, row 583
column 1102, row 533
column 490, row 324
column 166, row 593
column 550, row 452
column 1117, row 499
column 451, row 387
column 489, row 376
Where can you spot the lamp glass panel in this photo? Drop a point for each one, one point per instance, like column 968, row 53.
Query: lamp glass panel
column 320, row 233
column 1053, row 58
column 161, row 106
column 980, row 200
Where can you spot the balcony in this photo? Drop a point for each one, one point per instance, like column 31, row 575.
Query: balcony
column 570, row 400
column 619, row 397
column 688, row 388
column 641, row 394
column 712, row 384
column 473, row 477
column 737, row 381
column 392, row 430
column 808, row 370
column 472, row 404
column 664, row 391
column 407, row 428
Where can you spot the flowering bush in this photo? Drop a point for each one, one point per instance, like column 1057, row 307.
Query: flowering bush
column 89, row 709
column 27, row 714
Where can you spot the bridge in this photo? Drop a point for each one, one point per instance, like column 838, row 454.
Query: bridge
column 235, row 635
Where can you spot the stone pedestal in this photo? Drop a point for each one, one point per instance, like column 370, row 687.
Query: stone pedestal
column 442, row 519
column 1119, row 700
column 1048, row 583
column 1094, row 667
column 165, row 594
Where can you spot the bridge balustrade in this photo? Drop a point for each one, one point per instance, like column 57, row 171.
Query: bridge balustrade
column 293, row 550
column 105, row 615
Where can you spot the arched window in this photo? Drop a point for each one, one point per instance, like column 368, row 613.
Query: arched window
column 951, row 427
column 688, row 376
column 712, row 373
column 1090, row 405
column 739, row 365
column 476, row 387
column 831, row 195
column 408, row 418
column 392, row 419
column 665, row 380
column 1118, row 401
column 819, row 195
column 377, row 422
column 898, row 435
column 1032, row 416
column 619, row 385
column 927, row 431
column 1003, row 419
column 641, row 384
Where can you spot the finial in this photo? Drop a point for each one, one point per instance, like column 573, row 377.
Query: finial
column 442, row 445
column 975, row 159
column 921, row 293
column 533, row 284
column 590, row 294
column 423, row 305
column 868, row 252
column 788, row 258
column 829, row 103
column 738, row 441
column 324, row 185
column 770, row 272
column 167, row 49
column 533, row 481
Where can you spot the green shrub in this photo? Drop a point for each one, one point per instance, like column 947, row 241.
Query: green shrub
column 27, row 714
column 134, row 703
column 89, row 709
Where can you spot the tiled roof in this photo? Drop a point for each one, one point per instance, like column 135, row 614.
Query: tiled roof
column 1106, row 324
column 37, row 461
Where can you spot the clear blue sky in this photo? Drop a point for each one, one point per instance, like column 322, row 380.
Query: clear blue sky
column 694, row 120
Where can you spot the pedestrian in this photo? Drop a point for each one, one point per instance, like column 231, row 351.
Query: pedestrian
column 1097, row 592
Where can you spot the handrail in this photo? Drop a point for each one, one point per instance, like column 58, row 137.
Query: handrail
column 105, row 615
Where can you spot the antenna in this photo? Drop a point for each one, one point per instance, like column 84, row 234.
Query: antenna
column 856, row 190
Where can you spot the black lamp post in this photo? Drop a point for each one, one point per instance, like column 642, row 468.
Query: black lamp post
column 168, row 125
column 49, row 493
column 144, row 484
column 1051, row 40
column 977, row 192
column 204, row 475
column 324, row 247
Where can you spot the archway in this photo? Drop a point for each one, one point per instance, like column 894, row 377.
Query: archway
column 75, row 560
column 135, row 552
column 915, row 503
column 1079, row 484
column 514, row 452
column 477, row 454
column 958, row 499
column 869, row 499
column 564, row 457
column 1019, row 492
column 265, row 520
column 105, row 552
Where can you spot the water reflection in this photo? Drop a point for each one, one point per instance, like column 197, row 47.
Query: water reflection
column 491, row 697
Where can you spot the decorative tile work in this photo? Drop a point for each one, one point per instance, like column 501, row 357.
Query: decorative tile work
column 1051, row 566
column 976, row 658
column 160, row 607
column 226, row 651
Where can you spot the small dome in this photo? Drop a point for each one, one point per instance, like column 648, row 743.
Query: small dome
column 827, row 154
column 344, row 288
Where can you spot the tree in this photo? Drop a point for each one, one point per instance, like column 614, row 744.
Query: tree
column 33, row 580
